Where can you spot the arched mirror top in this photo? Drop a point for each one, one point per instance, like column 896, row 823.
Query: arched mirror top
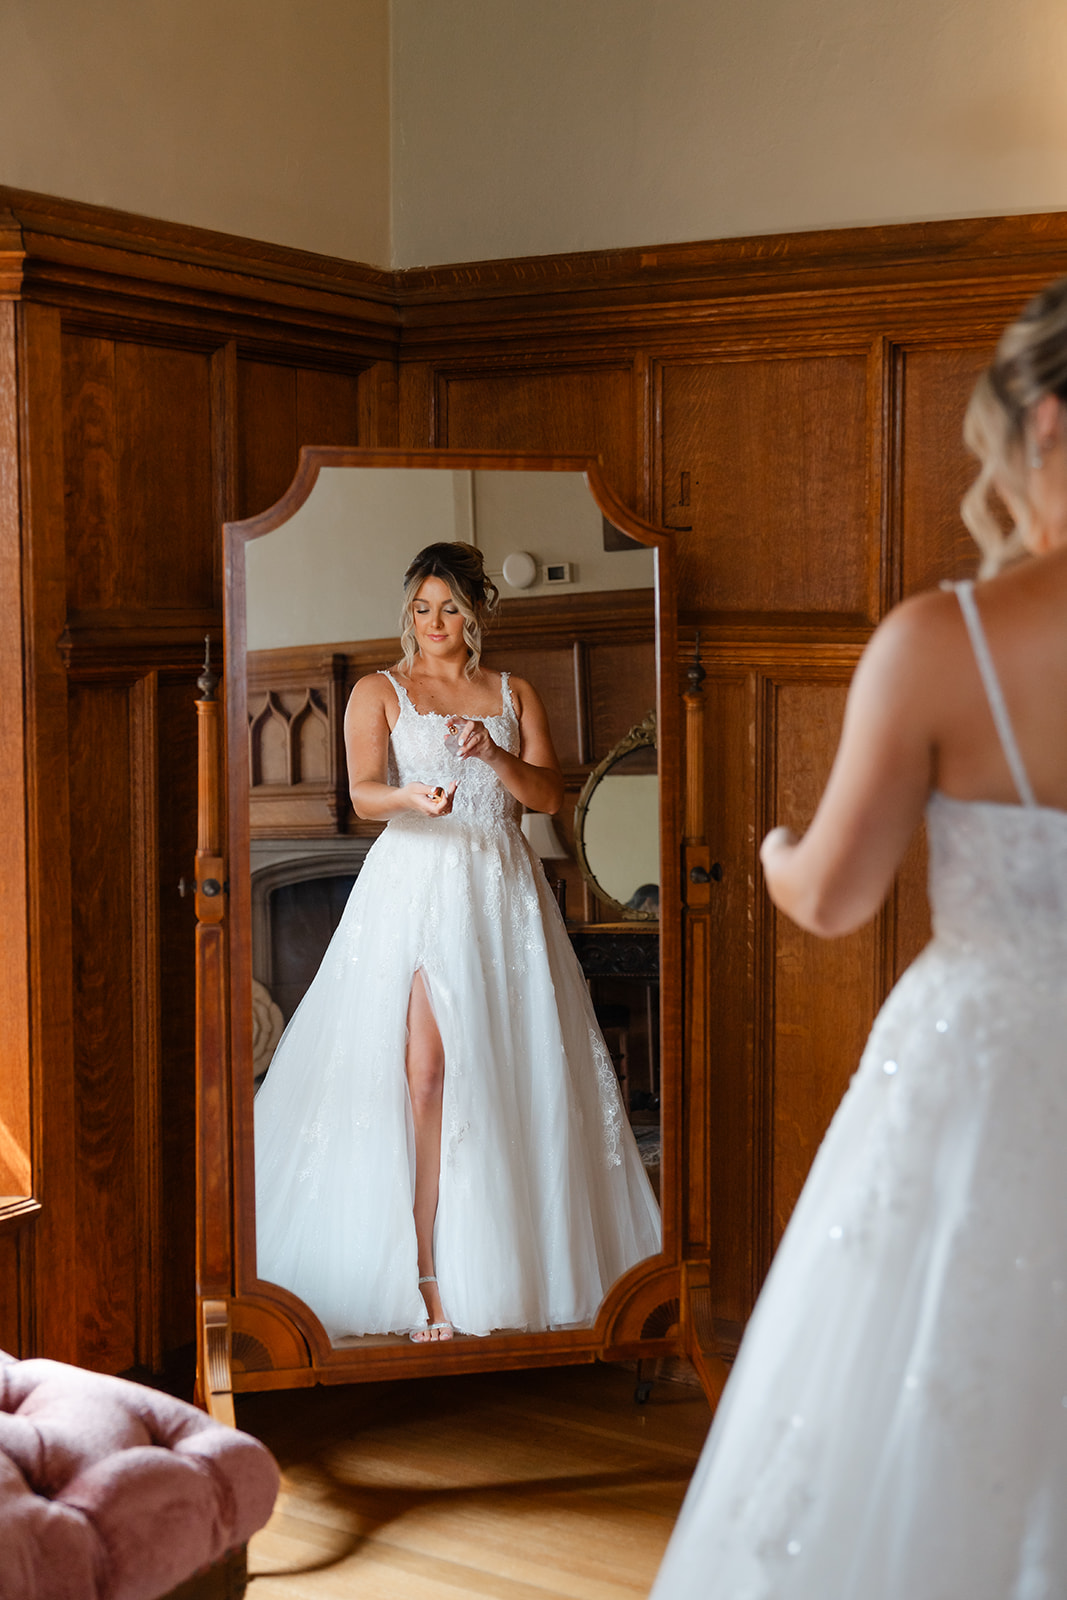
column 616, row 826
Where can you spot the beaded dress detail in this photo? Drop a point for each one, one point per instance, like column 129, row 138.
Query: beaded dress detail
column 543, row 1199
column 895, row 1427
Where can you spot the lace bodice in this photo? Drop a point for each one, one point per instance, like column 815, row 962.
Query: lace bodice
column 418, row 754
column 998, row 883
column 998, row 873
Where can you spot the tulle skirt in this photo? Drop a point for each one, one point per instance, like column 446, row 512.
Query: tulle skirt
column 896, row 1424
column 543, row 1199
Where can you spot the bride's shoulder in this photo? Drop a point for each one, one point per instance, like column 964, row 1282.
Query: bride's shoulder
column 524, row 697
column 374, row 691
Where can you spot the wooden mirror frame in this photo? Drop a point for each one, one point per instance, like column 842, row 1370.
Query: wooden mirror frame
column 642, row 736
column 256, row 1335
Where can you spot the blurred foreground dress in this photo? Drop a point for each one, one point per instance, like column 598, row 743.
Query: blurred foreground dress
column 895, row 1427
column 544, row 1201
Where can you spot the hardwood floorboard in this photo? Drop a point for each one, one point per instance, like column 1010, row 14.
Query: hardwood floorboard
column 542, row 1485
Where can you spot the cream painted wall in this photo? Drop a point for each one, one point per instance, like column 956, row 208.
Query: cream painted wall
column 423, row 131
column 535, row 126
column 266, row 118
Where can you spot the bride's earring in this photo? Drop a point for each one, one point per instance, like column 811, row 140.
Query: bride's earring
column 1036, row 458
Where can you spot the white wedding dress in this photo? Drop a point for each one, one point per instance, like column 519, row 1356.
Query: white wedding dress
column 896, row 1424
column 543, row 1201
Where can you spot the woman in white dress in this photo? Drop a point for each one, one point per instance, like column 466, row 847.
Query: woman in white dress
column 440, row 1140
column 896, row 1424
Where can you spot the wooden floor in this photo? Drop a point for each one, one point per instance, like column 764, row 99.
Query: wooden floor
column 515, row 1486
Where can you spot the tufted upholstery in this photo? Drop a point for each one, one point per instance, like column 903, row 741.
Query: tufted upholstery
column 110, row 1491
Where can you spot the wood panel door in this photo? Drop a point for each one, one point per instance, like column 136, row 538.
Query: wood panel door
column 810, row 488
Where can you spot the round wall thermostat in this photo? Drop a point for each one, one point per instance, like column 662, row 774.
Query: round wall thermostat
column 520, row 570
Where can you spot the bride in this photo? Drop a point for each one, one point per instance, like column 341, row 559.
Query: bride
column 440, row 1140
column 896, row 1424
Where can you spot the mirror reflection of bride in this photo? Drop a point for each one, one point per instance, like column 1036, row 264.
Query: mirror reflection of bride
column 440, row 1139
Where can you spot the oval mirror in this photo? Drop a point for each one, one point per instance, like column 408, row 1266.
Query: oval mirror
column 616, row 826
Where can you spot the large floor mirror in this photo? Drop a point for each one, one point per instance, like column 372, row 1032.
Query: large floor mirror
column 313, row 594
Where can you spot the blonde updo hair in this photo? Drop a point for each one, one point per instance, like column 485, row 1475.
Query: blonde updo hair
column 475, row 595
column 1030, row 362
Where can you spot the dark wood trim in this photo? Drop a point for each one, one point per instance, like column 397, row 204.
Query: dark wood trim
column 48, row 822
column 17, row 1212
column 127, row 644
column 146, row 1012
column 107, row 262
column 15, row 1001
column 902, row 252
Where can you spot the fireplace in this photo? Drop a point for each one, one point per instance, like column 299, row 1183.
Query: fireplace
column 299, row 890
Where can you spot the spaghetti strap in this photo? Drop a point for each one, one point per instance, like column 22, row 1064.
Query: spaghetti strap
column 994, row 693
column 401, row 693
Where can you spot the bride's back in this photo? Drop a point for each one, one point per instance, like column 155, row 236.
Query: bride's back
column 1023, row 614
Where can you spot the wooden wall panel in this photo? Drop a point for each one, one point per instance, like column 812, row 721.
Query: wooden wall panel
column 177, row 784
column 587, row 409
column 281, row 407
column 107, row 1153
column 723, row 1088
column 821, row 993
column 10, row 1297
column 621, row 677
column 936, row 468
column 810, row 386
column 141, row 510
column 764, row 472
column 15, row 1172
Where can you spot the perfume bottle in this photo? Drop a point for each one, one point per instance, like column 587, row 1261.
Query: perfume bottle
column 453, row 734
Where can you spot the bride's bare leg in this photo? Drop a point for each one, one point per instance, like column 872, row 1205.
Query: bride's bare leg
column 426, row 1082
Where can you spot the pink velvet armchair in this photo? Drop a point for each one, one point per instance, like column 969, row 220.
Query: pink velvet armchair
column 111, row 1491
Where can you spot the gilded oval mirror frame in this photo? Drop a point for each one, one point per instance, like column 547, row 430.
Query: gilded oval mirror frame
column 640, row 904
column 254, row 1334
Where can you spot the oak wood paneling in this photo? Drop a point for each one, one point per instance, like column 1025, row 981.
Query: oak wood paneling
column 177, row 785
column 622, row 678
column 15, row 1174
column 281, row 407
column 154, row 379
column 47, row 796
column 141, row 523
column 723, row 1156
column 587, row 409
column 764, row 473
column 936, row 468
column 823, row 992
column 106, row 1149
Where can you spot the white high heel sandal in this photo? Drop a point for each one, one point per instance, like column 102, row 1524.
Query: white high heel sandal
column 426, row 1335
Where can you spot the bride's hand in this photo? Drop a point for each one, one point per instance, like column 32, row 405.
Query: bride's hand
column 474, row 739
column 431, row 801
